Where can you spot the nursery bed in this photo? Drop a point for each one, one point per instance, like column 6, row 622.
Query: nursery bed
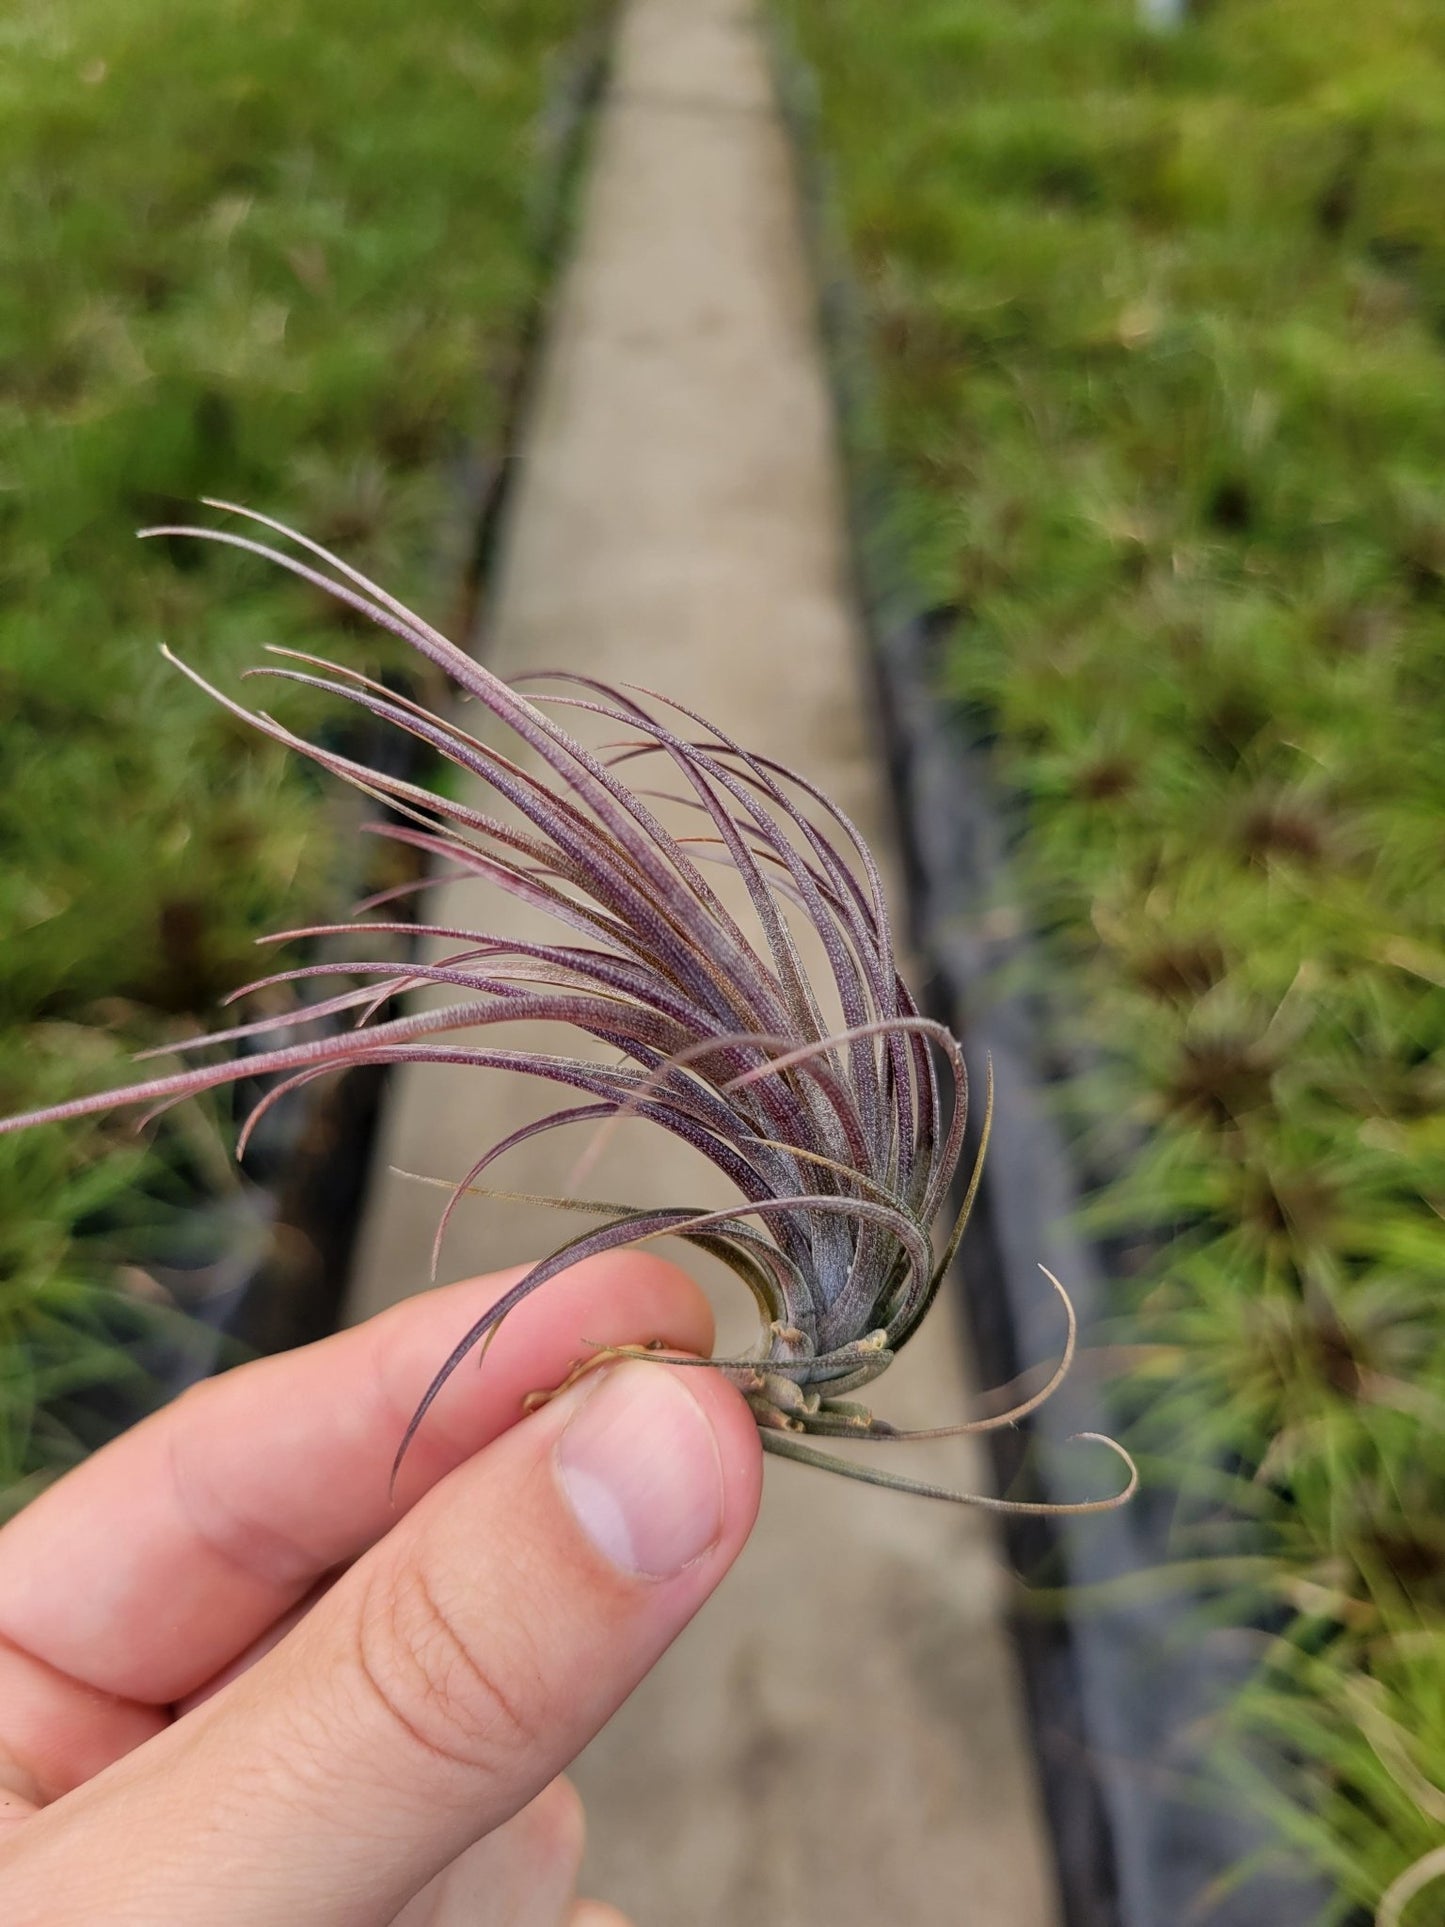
column 1140, row 346
column 326, row 307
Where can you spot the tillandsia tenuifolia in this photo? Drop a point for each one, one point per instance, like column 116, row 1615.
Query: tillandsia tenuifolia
column 841, row 1138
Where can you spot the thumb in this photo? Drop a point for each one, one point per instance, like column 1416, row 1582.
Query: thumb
column 442, row 1682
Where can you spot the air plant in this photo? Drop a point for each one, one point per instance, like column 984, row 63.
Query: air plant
column 843, row 1142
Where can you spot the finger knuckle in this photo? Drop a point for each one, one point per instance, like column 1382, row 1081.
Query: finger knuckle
column 558, row 1826
column 430, row 1680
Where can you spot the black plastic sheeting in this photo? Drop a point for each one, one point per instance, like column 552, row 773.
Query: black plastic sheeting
column 1121, row 1699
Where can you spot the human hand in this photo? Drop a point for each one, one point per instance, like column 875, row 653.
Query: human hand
column 237, row 1687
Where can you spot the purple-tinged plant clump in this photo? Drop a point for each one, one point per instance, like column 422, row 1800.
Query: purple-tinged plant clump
column 842, row 1140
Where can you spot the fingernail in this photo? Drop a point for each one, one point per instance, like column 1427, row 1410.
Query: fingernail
column 639, row 1466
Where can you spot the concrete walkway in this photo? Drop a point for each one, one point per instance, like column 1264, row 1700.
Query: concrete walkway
column 837, row 1742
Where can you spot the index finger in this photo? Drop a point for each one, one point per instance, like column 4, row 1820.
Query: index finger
column 148, row 1569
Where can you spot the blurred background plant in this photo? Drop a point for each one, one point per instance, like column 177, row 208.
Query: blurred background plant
column 283, row 250
column 1157, row 326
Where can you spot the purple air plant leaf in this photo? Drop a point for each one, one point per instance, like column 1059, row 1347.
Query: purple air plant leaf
column 841, row 1139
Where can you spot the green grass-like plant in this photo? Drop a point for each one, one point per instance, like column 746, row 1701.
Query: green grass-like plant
column 1156, row 323
column 287, row 249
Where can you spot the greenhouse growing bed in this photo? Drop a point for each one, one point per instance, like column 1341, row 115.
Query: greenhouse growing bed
column 1155, row 325
column 290, row 254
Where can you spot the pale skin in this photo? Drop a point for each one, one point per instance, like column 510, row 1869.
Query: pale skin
column 240, row 1685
